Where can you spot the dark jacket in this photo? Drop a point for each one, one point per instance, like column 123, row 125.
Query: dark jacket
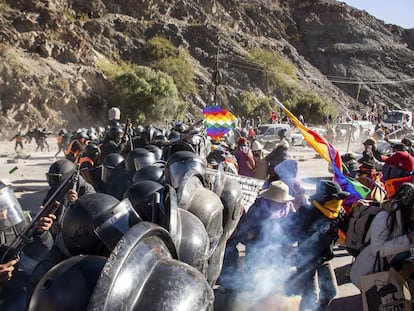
column 316, row 235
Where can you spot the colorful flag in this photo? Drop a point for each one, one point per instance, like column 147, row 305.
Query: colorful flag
column 327, row 151
column 218, row 121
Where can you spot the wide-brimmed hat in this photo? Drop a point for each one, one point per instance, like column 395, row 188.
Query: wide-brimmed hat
column 370, row 142
column 327, row 190
column 278, row 191
column 256, row 146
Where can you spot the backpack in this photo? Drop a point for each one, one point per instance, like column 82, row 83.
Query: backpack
column 362, row 214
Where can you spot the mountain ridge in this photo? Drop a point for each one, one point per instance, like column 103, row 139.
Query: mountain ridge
column 50, row 49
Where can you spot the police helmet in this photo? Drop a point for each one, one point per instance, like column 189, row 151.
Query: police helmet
column 95, row 222
column 180, row 127
column 231, row 195
column 174, row 135
column 159, row 140
column 143, row 197
column 181, row 163
column 158, row 281
column 137, row 159
column 115, row 133
column 205, row 204
column 191, row 240
column 79, row 274
column 92, row 150
column 150, row 172
column 83, row 135
column 111, row 165
column 58, row 171
column 157, row 151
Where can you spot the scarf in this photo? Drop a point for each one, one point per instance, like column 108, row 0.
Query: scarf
column 330, row 208
column 276, row 210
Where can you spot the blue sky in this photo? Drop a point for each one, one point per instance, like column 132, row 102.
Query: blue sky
column 397, row 12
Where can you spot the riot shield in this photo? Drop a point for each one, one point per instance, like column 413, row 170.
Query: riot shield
column 143, row 273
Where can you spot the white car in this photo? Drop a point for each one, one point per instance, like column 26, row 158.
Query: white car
column 299, row 140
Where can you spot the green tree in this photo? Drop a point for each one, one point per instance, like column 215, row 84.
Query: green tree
column 313, row 107
column 181, row 70
column 277, row 72
column 160, row 47
column 252, row 105
column 175, row 62
column 147, row 95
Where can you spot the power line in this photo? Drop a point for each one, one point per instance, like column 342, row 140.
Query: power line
column 245, row 64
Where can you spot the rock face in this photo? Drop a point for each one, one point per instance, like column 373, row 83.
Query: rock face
column 49, row 52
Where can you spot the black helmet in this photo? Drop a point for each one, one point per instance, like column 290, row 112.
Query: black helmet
column 231, row 195
column 205, row 204
column 159, row 141
column 59, row 171
column 96, row 220
column 157, row 281
column 92, row 150
column 142, row 196
column 111, row 165
column 150, row 172
column 79, row 273
column 192, row 241
column 83, row 135
column 149, row 132
column 115, row 133
column 181, row 163
column 174, row 135
column 137, row 159
column 155, row 150
column 180, row 127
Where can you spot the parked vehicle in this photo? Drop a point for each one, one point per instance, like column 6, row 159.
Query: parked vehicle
column 299, row 140
column 398, row 118
column 267, row 134
column 354, row 131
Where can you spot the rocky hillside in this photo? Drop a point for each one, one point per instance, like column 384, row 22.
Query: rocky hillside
column 49, row 52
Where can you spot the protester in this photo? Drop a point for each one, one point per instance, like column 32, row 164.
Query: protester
column 399, row 164
column 244, row 157
column 276, row 156
column 391, row 235
column 19, row 138
column 316, row 230
column 282, row 138
column 287, row 171
column 259, row 154
column 61, row 142
column 263, row 232
column 350, row 163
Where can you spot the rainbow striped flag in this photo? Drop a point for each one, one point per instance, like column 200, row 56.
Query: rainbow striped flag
column 218, row 121
column 327, row 151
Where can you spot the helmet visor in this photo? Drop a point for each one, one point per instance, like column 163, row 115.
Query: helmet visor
column 10, row 210
column 116, row 222
column 178, row 170
column 53, row 179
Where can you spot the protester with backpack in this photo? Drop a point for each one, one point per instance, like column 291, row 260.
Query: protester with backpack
column 391, row 235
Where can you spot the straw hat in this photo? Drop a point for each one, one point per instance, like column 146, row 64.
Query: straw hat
column 278, row 191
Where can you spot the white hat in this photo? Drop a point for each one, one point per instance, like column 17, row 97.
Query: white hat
column 278, row 191
column 256, row 145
